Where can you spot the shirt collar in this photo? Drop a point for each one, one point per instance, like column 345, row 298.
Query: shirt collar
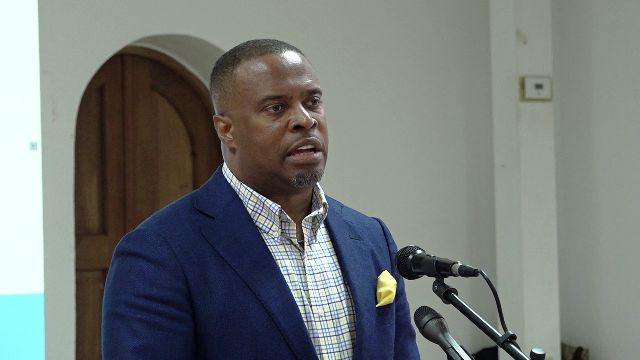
column 267, row 215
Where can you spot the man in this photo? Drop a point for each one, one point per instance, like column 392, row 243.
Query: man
column 258, row 263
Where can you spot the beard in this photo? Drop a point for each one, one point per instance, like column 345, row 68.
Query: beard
column 306, row 179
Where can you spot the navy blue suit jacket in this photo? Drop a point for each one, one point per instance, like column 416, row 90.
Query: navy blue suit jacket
column 197, row 281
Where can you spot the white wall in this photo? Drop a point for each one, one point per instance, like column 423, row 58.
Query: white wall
column 597, row 57
column 524, row 163
column 408, row 99
column 21, row 252
column 195, row 54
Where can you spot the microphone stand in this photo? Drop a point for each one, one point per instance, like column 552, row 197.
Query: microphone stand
column 449, row 295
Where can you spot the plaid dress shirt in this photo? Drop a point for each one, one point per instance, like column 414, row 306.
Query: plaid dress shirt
column 311, row 270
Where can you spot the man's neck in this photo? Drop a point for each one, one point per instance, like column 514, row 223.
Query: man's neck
column 295, row 202
column 297, row 205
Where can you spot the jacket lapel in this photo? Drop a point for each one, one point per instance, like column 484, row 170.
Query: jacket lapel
column 353, row 254
column 234, row 235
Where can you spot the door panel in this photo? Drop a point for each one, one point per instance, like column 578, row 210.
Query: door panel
column 98, row 169
column 89, row 287
column 144, row 137
column 175, row 174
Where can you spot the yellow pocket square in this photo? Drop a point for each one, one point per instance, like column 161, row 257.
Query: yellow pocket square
column 386, row 289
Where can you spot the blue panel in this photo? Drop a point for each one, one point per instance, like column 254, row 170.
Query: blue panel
column 22, row 327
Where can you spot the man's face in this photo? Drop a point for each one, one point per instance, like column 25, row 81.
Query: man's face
column 279, row 133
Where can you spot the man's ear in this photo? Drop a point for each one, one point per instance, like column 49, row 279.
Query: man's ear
column 224, row 128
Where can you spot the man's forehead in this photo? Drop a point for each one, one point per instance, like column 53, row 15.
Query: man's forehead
column 273, row 75
column 274, row 67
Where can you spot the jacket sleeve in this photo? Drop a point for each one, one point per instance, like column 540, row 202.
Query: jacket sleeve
column 147, row 310
column 405, row 347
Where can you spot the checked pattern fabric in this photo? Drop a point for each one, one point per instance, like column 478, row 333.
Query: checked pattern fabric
column 310, row 268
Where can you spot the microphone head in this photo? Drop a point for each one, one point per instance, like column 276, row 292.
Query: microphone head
column 403, row 261
column 431, row 325
column 424, row 314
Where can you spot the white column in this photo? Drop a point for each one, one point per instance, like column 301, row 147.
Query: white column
column 524, row 171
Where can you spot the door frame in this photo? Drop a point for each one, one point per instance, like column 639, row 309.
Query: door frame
column 173, row 64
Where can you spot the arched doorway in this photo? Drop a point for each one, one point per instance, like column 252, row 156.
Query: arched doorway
column 144, row 137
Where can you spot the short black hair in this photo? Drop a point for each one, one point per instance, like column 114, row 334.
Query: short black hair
column 229, row 61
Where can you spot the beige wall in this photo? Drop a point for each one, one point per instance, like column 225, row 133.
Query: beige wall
column 597, row 57
column 409, row 106
column 524, row 175
column 408, row 89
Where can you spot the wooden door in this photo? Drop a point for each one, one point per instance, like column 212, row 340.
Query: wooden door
column 144, row 137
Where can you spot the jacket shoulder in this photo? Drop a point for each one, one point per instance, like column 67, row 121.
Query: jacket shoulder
column 352, row 215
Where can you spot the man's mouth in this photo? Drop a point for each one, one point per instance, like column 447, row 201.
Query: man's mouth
column 306, row 151
column 306, row 145
column 303, row 149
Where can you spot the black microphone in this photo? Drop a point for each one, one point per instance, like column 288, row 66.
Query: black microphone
column 412, row 262
column 433, row 327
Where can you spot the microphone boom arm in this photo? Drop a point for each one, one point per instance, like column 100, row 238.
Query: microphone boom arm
column 449, row 295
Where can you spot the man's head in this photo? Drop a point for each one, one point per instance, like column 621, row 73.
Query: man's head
column 269, row 117
column 225, row 66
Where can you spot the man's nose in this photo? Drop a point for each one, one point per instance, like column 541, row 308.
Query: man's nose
column 301, row 119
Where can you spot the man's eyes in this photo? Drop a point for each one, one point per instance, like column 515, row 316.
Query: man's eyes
column 314, row 102
column 275, row 108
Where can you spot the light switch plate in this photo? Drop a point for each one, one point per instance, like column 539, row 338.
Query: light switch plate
column 535, row 88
